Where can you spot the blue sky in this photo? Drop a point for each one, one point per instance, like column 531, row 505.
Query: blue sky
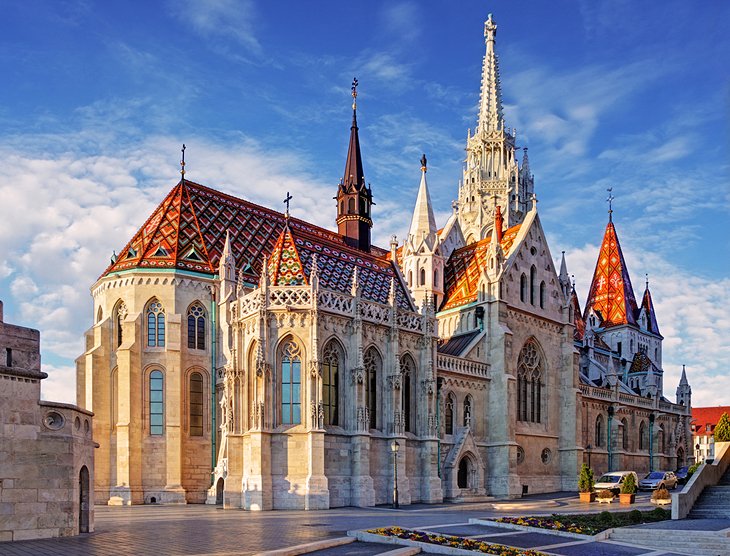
column 97, row 98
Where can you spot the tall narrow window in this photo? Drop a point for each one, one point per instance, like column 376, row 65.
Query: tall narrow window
column 423, row 277
column 529, row 383
column 119, row 313
column 533, row 274
column 523, row 288
column 660, row 438
column 624, row 434
column 599, row 431
column 196, row 326
column 155, row 324
column 330, row 383
column 291, row 383
column 642, row 436
column 157, row 403
column 196, row 404
column 449, row 414
column 8, row 357
column 542, row 295
column 372, row 368
column 407, row 369
column 467, row 411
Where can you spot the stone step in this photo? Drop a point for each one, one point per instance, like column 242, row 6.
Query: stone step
column 709, row 547
column 665, row 535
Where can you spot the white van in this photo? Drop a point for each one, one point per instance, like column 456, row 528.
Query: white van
column 614, row 479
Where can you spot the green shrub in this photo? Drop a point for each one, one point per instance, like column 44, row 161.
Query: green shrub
column 635, row 516
column 605, row 493
column 629, row 485
column 722, row 429
column 660, row 513
column 605, row 518
column 585, row 479
column 692, row 469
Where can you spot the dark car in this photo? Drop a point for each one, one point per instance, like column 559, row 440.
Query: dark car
column 681, row 474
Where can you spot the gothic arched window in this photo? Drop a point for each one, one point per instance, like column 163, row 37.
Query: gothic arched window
column 449, row 414
column 529, row 383
column 157, row 403
column 196, row 404
column 155, row 324
column 660, row 440
column 196, row 326
column 330, row 382
column 533, row 274
column 624, row 434
column 351, row 205
column 642, row 436
column 291, row 384
column 120, row 311
column 542, row 295
column 407, row 369
column 467, row 411
column 423, row 277
column 599, row 432
column 523, row 288
column 373, row 365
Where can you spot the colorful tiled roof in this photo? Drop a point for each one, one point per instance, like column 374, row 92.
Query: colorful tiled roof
column 704, row 416
column 641, row 364
column 611, row 293
column 285, row 267
column 580, row 324
column 461, row 276
column 187, row 231
column 648, row 305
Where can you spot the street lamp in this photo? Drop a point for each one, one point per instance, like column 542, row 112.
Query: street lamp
column 588, row 450
column 394, row 448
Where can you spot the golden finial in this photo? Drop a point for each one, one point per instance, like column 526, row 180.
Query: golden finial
column 182, row 163
column 354, row 93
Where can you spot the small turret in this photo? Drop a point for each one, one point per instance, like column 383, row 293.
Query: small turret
column 227, row 270
column 564, row 279
column 684, row 391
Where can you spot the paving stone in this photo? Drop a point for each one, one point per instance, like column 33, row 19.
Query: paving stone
column 467, row 530
column 355, row 549
column 527, row 540
column 600, row 549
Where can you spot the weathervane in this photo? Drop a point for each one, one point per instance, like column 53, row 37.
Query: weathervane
column 354, row 93
column 610, row 203
column 182, row 162
column 286, row 202
column 423, row 162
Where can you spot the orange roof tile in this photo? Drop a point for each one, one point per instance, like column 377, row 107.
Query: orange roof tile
column 703, row 416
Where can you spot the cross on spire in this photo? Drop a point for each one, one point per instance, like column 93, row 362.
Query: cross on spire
column 182, row 162
column 354, row 93
column 286, row 202
column 610, row 203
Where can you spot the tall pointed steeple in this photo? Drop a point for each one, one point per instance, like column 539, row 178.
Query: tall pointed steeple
column 563, row 277
column 423, row 223
column 611, row 293
column 490, row 103
column 684, row 391
column 648, row 307
column 354, row 197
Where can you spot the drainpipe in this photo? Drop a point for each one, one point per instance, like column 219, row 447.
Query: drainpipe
column 213, row 401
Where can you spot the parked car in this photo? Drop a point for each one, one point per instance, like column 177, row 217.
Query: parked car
column 681, row 474
column 613, row 481
column 658, row 479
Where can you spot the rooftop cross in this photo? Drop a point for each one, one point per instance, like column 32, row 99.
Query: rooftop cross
column 610, row 203
column 423, row 163
column 286, row 202
column 354, row 93
column 182, row 162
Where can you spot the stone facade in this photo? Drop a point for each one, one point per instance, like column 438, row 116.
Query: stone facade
column 46, row 449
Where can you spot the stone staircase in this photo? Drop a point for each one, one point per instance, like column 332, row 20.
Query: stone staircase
column 696, row 543
column 714, row 502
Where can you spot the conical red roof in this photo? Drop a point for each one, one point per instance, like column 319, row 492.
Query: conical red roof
column 648, row 305
column 611, row 293
column 285, row 266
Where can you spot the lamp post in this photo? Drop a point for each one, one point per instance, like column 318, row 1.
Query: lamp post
column 588, row 451
column 394, row 448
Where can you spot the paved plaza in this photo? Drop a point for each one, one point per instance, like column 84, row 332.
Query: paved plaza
column 211, row 531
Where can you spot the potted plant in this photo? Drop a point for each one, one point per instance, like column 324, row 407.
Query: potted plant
column 628, row 490
column 661, row 497
column 585, row 484
column 605, row 495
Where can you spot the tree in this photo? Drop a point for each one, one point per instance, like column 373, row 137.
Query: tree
column 629, row 485
column 722, row 429
column 585, row 479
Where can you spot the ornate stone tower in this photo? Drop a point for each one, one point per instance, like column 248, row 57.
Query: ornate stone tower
column 354, row 197
column 684, row 392
column 423, row 263
column 491, row 171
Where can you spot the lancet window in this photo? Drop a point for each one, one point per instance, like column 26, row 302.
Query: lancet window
column 407, row 369
column 449, row 414
column 331, row 357
column 599, row 432
column 529, row 383
column 624, row 434
column 196, row 326
column 291, row 384
column 467, row 411
column 373, row 364
column 642, row 436
column 157, row 403
column 195, row 403
column 155, row 324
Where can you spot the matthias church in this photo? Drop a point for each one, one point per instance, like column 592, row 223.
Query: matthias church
column 244, row 357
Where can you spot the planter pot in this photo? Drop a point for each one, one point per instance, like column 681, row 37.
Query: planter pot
column 627, row 498
column 605, row 500
column 587, row 496
column 662, row 502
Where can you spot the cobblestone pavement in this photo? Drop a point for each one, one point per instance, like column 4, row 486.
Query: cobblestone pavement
column 211, row 531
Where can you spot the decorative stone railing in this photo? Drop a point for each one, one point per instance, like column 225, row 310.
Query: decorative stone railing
column 462, row 366
column 627, row 399
column 301, row 297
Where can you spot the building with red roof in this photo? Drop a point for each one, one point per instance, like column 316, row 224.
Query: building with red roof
column 704, row 420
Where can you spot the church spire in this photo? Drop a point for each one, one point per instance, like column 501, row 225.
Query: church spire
column 648, row 306
column 611, row 293
column 354, row 197
column 563, row 278
column 423, row 223
column 490, row 104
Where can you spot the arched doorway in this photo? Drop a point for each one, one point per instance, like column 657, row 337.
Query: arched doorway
column 462, row 476
column 219, row 491
column 84, row 500
column 680, row 457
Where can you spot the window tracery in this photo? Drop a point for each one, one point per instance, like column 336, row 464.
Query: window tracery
column 529, row 384
column 196, row 326
column 291, row 384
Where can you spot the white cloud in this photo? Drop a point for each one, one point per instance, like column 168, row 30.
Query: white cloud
column 60, row 386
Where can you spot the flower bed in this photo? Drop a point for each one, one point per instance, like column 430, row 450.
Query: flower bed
column 588, row 524
column 454, row 542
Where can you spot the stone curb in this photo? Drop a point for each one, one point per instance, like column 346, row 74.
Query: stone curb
column 308, row 547
column 425, row 547
column 405, row 551
column 602, row 536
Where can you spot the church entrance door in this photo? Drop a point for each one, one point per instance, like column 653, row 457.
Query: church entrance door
column 219, row 491
column 462, row 477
